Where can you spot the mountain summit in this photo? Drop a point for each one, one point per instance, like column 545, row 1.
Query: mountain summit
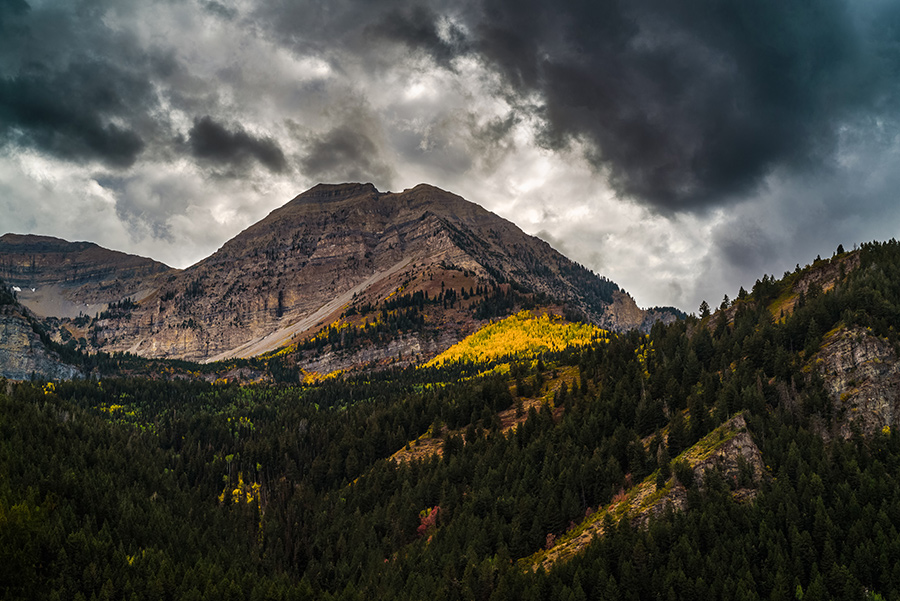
column 332, row 250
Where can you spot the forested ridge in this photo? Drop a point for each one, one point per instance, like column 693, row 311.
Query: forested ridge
column 150, row 489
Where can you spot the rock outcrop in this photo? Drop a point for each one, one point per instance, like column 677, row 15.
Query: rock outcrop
column 862, row 377
column 623, row 314
column 823, row 274
column 22, row 353
column 728, row 450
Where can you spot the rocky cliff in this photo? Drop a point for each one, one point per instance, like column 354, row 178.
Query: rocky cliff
column 823, row 275
column 22, row 353
column 862, row 377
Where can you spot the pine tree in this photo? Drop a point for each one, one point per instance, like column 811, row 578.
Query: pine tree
column 704, row 310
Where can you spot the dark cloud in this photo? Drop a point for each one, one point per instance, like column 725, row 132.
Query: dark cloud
column 690, row 104
column 346, row 153
column 746, row 247
column 73, row 113
column 366, row 30
column 219, row 9
column 214, row 143
column 12, row 8
column 683, row 105
column 417, row 27
column 72, row 88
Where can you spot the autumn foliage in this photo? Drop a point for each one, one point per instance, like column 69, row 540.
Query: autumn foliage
column 428, row 519
column 524, row 334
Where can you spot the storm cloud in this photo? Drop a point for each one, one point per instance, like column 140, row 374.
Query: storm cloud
column 346, row 151
column 681, row 106
column 691, row 104
column 70, row 114
column 213, row 142
column 418, row 27
column 680, row 148
column 10, row 8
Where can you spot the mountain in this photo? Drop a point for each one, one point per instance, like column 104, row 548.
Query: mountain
column 333, row 250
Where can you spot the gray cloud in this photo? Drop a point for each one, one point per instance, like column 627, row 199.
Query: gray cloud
column 69, row 114
column 798, row 217
column 219, row 9
column 10, row 9
column 213, row 142
column 746, row 247
column 682, row 106
column 73, row 89
column 143, row 205
column 416, row 27
column 350, row 151
column 692, row 104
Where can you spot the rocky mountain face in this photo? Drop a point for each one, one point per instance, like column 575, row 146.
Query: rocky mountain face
column 299, row 269
column 623, row 314
column 54, row 277
column 862, row 378
column 22, row 352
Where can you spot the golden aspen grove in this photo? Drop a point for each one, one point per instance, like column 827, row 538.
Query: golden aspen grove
column 525, row 334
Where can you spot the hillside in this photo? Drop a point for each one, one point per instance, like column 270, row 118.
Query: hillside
column 334, row 251
column 738, row 455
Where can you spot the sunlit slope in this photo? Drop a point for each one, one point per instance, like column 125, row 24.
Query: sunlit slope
column 527, row 333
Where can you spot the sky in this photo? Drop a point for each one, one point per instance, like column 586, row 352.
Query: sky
column 681, row 149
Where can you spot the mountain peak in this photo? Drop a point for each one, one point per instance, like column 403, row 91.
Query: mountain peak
column 32, row 260
column 332, row 192
column 423, row 187
column 37, row 243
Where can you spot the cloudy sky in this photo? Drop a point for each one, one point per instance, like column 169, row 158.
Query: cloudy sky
column 683, row 149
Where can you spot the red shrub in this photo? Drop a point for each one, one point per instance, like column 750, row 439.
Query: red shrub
column 427, row 519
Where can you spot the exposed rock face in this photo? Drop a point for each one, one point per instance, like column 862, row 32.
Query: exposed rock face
column 23, row 355
column 738, row 453
column 61, row 278
column 862, row 377
column 399, row 352
column 623, row 314
column 294, row 269
column 298, row 268
column 825, row 275
column 828, row 274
